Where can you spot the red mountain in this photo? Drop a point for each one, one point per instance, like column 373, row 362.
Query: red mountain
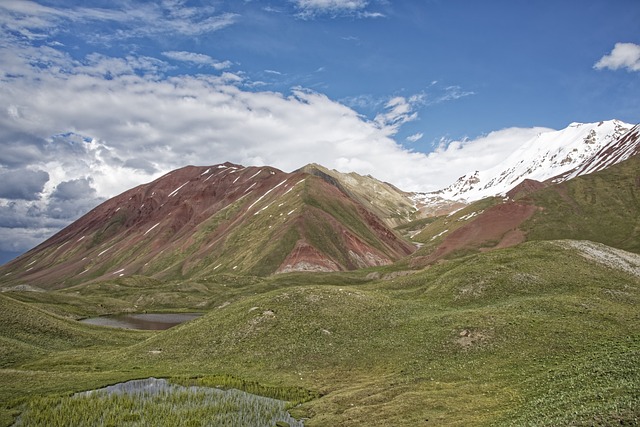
column 198, row 221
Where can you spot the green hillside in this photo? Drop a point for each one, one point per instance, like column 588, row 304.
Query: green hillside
column 603, row 207
column 532, row 335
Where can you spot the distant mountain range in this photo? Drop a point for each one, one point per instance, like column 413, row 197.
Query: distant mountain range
column 202, row 221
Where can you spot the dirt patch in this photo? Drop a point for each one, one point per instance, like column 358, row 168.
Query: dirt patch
column 525, row 188
column 305, row 257
column 496, row 227
column 468, row 339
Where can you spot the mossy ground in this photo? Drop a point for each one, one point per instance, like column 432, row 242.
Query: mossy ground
column 531, row 335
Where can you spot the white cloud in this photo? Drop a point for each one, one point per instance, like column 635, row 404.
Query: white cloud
column 139, row 125
column 34, row 21
column 623, row 55
column 101, row 125
column 399, row 110
column 331, row 5
column 198, row 59
column 415, row 137
column 308, row 9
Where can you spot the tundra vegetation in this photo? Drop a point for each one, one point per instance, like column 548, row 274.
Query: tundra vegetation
column 532, row 335
column 544, row 333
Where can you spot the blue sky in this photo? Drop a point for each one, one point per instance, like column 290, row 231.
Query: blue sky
column 99, row 96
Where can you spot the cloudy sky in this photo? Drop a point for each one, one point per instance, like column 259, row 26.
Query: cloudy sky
column 99, row 96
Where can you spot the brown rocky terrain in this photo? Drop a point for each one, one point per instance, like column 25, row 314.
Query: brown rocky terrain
column 197, row 221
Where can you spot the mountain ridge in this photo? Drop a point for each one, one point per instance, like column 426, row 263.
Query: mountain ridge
column 222, row 218
column 548, row 155
column 199, row 221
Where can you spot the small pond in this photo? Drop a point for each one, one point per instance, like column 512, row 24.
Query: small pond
column 158, row 402
column 146, row 321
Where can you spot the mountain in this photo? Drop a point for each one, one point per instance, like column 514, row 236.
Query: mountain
column 392, row 205
column 602, row 206
column 543, row 331
column 578, row 149
column 198, row 221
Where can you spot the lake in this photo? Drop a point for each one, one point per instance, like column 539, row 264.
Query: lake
column 146, row 321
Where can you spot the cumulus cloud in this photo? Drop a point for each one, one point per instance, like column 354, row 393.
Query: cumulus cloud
column 22, row 184
column 71, row 199
column 623, row 55
column 73, row 190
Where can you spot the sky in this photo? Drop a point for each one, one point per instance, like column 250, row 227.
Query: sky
column 99, row 96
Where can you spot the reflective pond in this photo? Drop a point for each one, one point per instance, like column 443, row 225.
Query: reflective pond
column 158, row 402
column 146, row 321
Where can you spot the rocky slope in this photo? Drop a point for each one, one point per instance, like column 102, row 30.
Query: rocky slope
column 392, row 205
column 569, row 152
column 601, row 206
column 198, row 221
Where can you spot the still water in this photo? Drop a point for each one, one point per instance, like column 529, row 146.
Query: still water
column 157, row 402
column 147, row 321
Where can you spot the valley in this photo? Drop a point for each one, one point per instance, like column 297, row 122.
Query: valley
column 353, row 301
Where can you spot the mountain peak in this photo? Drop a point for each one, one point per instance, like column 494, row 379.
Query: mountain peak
column 547, row 155
column 202, row 220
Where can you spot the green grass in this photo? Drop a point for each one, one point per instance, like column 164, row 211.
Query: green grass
column 602, row 207
column 531, row 335
column 162, row 404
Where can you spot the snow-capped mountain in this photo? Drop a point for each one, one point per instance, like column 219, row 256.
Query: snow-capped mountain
column 565, row 154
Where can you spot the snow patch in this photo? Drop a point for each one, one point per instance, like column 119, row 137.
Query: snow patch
column 469, row 216
column 145, row 233
column 174, row 192
column 265, row 194
column 255, row 174
column 439, row 234
column 109, row 248
column 206, row 172
column 250, row 187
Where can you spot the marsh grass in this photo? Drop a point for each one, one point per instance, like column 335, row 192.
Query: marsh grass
column 156, row 402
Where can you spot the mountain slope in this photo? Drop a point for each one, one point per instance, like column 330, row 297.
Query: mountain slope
column 392, row 205
column 198, row 221
column 27, row 333
column 549, row 155
column 471, row 342
column 603, row 206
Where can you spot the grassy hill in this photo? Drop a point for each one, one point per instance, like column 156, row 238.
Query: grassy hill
column 541, row 333
column 603, row 207
column 538, row 334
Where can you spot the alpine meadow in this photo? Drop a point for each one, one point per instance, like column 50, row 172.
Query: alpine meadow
column 310, row 213
column 341, row 295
